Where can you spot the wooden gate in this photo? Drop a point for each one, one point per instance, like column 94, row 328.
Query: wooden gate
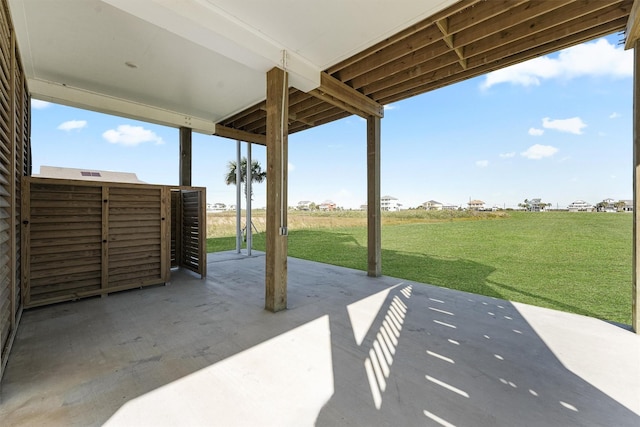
column 84, row 238
column 188, row 229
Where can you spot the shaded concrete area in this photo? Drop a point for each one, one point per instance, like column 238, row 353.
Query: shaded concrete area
column 350, row 350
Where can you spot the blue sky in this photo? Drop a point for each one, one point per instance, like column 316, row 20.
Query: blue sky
column 558, row 128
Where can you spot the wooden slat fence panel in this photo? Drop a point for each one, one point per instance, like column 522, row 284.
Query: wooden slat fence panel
column 175, row 228
column 86, row 238
column 188, row 228
column 135, row 227
column 15, row 163
column 6, row 177
column 52, row 230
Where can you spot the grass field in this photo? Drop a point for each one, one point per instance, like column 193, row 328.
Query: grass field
column 576, row 262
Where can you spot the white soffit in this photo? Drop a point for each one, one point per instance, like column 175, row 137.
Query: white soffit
column 196, row 61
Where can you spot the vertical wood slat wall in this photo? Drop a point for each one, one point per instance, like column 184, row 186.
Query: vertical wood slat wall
column 15, row 162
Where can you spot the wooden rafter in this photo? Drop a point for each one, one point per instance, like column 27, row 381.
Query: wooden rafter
column 468, row 39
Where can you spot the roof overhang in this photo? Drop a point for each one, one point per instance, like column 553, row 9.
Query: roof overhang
column 203, row 63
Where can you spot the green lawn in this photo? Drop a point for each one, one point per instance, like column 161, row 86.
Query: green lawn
column 576, row 262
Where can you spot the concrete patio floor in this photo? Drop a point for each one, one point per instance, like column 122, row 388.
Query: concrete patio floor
column 350, row 351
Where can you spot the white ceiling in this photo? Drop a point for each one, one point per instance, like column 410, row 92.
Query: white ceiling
column 198, row 61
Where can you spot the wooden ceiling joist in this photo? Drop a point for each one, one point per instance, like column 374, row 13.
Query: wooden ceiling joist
column 468, row 39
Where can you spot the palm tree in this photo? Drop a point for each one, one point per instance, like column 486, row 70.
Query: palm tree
column 257, row 174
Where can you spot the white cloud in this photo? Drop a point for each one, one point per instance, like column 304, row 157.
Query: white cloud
column 536, row 132
column 599, row 58
column 291, row 167
column 537, row 152
column 39, row 105
column 507, row 155
column 73, row 125
column 573, row 125
column 131, row 135
column 390, row 107
column 614, row 115
column 482, row 163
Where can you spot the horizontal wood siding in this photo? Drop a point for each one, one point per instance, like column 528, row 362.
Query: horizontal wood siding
column 135, row 236
column 6, row 178
column 190, row 230
column 175, row 228
column 62, row 260
column 86, row 238
column 15, row 163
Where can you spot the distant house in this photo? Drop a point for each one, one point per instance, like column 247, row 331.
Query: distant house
column 536, row 205
column 580, row 206
column 327, row 205
column 390, row 204
column 607, row 205
column 449, row 207
column 628, row 206
column 88, row 175
column 432, row 205
column 216, row 207
column 363, row 207
column 304, row 205
column 476, row 205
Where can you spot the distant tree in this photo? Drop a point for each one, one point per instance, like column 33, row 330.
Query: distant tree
column 600, row 206
column 257, row 174
column 620, row 205
column 526, row 205
column 313, row 206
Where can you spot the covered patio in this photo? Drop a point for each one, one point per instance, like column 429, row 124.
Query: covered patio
column 350, row 350
column 346, row 348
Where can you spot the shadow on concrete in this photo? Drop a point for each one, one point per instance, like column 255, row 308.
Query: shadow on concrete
column 350, row 350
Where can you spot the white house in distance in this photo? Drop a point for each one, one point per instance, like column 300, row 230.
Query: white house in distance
column 434, row 205
column 580, row 206
column 216, row 207
column 476, row 205
column 304, row 205
column 390, row 204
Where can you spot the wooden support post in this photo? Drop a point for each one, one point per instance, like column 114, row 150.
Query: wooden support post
column 635, row 295
column 374, row 246
column 276, row 226
column 185, row 156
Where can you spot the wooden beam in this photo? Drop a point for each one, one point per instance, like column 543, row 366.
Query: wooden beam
column 276, row 221
column 185, row 156
column 633, row 26
column 403, row 35
column 635, row 292
column 227, row 132
column 478, row 65
column 374, row 245
column 335, row 92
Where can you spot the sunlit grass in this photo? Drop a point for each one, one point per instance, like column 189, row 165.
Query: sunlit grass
column 576, row 262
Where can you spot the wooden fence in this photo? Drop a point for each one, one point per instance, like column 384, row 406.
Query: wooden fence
column 15, row 163
column 85, row 238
